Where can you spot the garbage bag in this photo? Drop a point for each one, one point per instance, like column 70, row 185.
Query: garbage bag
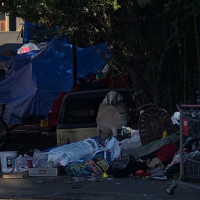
column 72, row 152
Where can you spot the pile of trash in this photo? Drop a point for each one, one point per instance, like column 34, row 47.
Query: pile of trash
column 96, row 157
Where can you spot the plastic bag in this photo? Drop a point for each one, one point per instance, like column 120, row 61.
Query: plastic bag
column 176, row 118
column 27, row 47
column 72, row 152
column 133, row 142
column 40, row 159
column 112, row 145
column 29, row 160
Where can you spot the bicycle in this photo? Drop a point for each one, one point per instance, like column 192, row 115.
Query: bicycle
column 4, row 131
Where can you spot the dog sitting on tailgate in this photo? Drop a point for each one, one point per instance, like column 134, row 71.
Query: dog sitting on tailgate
column 112, row 114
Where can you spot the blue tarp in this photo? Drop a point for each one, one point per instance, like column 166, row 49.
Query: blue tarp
column 34, row 32
column 27, row 32
column 38, row 78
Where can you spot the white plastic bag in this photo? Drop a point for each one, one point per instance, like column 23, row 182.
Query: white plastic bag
column 72, row 152
column 176, row 118
column 40, row 159
column 27, row 47
column 133, row 142
column 113, row 146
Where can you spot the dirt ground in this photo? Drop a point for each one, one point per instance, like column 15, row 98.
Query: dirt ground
column 26, row 138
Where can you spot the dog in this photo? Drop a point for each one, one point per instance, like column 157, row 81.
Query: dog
column 113, row 98
column 112, row 114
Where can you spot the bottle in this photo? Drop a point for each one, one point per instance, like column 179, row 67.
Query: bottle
column 164, row 134
column 21, row 164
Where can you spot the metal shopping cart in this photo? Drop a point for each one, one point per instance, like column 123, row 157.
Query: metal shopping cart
column 4, row 131
column 189, row 144
column 189, row 136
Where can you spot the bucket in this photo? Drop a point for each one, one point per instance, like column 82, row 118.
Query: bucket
column 7, row 161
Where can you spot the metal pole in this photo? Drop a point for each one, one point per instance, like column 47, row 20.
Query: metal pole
column 74, row 62
column 181, row 145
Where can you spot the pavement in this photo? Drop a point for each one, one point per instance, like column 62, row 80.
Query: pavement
column 63, row 187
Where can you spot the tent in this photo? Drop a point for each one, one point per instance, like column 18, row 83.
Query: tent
column 37, row 78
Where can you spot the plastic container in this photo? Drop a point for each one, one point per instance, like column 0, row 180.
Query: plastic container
column 43, row 172
column 21, row 164
column 7, row 161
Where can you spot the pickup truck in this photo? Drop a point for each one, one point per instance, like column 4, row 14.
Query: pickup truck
column 78, row 112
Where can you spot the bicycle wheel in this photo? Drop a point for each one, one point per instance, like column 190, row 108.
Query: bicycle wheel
column 4, row 134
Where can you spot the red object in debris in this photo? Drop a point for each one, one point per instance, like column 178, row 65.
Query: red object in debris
column 166, row 153
column 30, row 163
column 140, row 172
column 185, row 126
column 147, row 174
column 25, row 50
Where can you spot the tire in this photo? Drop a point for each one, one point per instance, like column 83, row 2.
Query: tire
column 4, row 134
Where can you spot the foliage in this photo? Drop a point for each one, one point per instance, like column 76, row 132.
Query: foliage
column 155, row 41
column 84, row 20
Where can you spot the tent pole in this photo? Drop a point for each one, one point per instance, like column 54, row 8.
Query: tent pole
column 74, row 63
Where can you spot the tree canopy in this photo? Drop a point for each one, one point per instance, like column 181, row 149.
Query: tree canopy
column 155, row 41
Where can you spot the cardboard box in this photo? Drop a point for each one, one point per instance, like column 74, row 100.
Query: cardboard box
column 43, row 172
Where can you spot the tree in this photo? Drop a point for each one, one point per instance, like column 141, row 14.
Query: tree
column 87, row 21
column 156, row 41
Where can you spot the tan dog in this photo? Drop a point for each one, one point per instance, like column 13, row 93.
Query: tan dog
column 112, row 114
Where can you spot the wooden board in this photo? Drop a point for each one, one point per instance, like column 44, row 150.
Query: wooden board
column 15, row 175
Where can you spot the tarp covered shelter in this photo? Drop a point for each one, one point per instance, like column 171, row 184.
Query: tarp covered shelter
column 37, row 78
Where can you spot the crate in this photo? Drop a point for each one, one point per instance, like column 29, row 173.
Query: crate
column 191, row 122
column 43, row 172
column 192, row 167
column 189, row 127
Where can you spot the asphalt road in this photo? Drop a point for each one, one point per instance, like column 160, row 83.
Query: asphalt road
column 62, row 187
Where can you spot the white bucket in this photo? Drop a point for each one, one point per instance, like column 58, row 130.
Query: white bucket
column 7, row 161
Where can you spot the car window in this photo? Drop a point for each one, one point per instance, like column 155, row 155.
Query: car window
column 81, row 110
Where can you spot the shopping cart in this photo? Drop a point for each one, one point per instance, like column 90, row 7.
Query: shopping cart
column 189, row 142
column 189, row 128
column 4, row 131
